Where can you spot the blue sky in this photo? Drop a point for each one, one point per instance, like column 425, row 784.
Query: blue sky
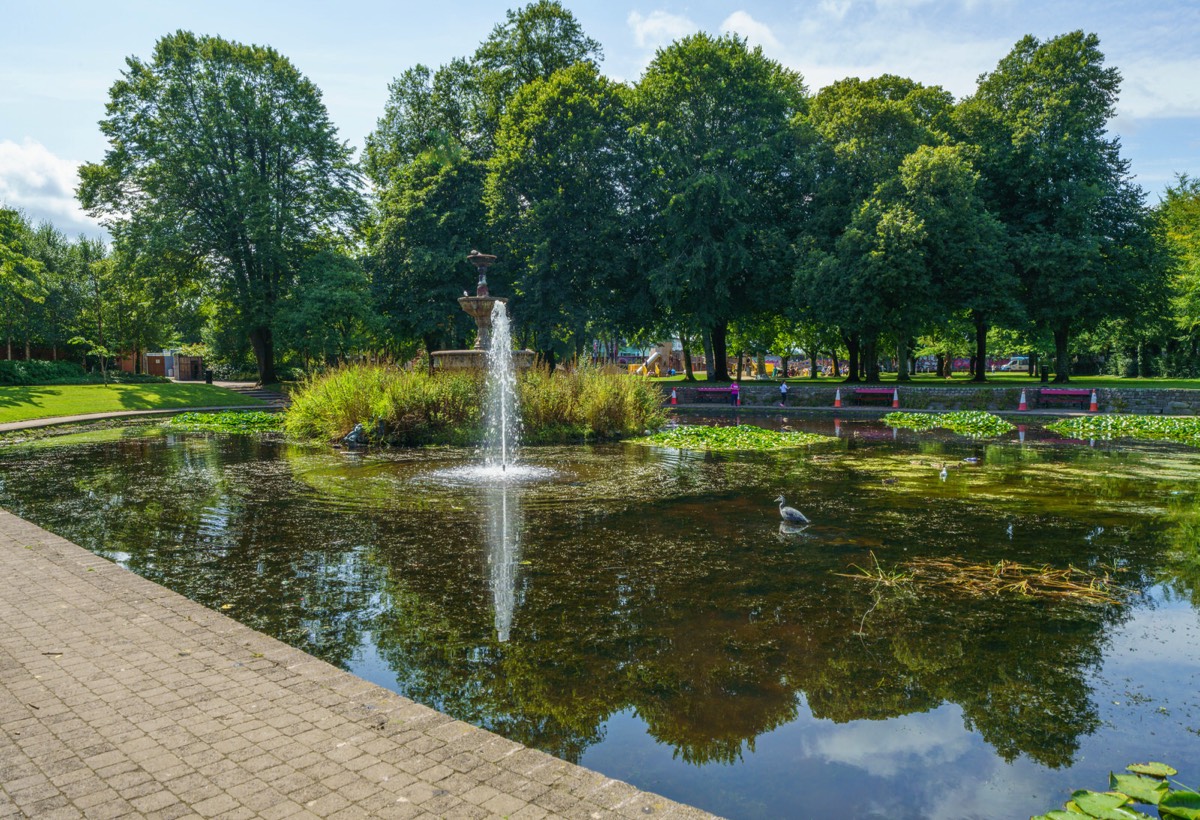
column 59, row 59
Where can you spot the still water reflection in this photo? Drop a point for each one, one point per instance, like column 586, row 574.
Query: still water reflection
column 642, row 612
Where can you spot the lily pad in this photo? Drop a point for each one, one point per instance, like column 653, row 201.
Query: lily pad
column 1142, row 789
column 1152, row 769
column 1182, row 804
column 1103, row 805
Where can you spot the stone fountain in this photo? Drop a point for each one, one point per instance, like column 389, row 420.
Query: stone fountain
column 479, row 307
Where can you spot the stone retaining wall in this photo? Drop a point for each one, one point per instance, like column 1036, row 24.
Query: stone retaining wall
column 1148, row 401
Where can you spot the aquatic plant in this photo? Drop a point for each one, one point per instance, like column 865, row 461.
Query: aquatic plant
column 1145, row 785
column 741, row 437
column 1000, row 578
column 974, row 423
column 412, row 407
column 1184, row 430
column 228, row 421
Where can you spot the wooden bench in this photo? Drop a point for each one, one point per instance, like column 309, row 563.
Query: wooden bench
column 1065, row 395
column 865, row 394
column 706, row 393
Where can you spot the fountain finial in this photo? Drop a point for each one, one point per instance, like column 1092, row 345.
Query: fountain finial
column 481, row 261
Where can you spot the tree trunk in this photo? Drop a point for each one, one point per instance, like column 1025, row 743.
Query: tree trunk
column 739, row 366
column 870, row 362
column 264, row 354
column 980, row 349
column 719, row 369
column 688, row 376
column 812, row 364
column 902, row 361
column 852, row 352
column 837, row 366
column 1062, row 365
column 706, row 341
column 1033, row 363
column 940, row 366
column 783, row 365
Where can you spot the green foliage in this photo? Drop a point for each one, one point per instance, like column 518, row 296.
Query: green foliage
column 586, row 403
column 36, row 371
column 974, row 423
column 411, row 407
column 1148, row 787
column 741, row 437
column 1181, row 429
column 222, row 152
column 557, row 192
column 720, row 186
column 228, row 421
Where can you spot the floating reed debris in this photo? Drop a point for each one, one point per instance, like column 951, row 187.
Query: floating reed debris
column 1000, row 578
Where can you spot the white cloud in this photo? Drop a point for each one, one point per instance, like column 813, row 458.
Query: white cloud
column 1160, row 88
column 659, row 28
column 756, row 33
column 34, row 180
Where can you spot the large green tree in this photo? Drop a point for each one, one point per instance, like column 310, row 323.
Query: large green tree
column 557, row 191
column 225, row 153
column 1054, row 176
column 720, row 189
column 862, row 131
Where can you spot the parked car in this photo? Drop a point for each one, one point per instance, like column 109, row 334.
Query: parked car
column 1016, row 363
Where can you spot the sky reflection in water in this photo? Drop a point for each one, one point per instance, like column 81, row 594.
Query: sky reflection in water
column 640, row 611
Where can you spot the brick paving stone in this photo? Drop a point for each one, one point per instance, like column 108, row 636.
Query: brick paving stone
column 119, row 698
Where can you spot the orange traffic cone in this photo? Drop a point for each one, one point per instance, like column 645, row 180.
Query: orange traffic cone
column 895, row 397
column 673, row 399
column 1095, row 408
column 837, row 398
column 1023, row 405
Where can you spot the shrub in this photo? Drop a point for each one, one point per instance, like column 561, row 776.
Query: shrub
column 36, row 371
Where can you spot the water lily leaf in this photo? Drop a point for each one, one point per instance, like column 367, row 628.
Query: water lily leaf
column 1104, row 805
column 1181, row 804
column 1057, row 814
column 1152, row 769
column 1142, row 789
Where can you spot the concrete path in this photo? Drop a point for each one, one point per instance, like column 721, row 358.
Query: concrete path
column 120, row 698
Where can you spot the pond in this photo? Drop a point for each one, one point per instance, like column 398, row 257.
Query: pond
column 642, row 612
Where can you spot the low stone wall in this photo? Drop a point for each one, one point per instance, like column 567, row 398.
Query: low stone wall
column 1146, row 401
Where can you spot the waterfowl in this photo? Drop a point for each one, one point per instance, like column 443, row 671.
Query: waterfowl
column 790, row 514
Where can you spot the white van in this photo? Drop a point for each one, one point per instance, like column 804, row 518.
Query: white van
column 1016, row 363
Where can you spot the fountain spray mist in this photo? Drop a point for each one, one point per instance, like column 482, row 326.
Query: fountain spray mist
column 502, row 415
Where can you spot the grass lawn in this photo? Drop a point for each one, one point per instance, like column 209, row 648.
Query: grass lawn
column 994, row 380
column 47, row 401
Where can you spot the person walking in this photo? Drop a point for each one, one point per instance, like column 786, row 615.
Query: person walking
column 783, row 390
column 733, row 394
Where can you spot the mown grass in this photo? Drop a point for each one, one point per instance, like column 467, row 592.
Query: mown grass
column 410, row 407
column 50, row 401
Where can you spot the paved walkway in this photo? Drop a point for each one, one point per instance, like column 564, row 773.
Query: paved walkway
column 120, row 698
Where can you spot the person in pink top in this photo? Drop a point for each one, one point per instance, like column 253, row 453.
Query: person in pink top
column 733, row 394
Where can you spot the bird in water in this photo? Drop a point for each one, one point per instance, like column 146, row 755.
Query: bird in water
column 942, row 475
column 971, row 460
column 790, row 514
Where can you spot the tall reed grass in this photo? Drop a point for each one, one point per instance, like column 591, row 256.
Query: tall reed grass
column 410, row 407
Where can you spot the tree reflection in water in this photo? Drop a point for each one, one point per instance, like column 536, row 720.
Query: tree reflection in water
column 642, row 581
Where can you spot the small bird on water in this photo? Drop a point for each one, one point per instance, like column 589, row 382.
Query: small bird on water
column 790, row 514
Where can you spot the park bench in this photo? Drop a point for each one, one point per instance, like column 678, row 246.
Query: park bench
column 866, row 394
column 1066, row 395
column 706, row 393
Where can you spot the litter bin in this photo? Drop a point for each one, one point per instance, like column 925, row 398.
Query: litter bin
column 208, row 377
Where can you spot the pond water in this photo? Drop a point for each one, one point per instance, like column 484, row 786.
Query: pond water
column 642, row 611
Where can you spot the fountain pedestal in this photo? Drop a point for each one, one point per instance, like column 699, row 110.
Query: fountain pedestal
column 479, row 308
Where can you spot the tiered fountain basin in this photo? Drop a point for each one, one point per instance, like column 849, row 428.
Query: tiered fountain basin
column 479, row 307
column 477, row 359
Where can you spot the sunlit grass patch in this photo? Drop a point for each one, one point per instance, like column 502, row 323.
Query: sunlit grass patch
column 1184, row 430
column 741, row 437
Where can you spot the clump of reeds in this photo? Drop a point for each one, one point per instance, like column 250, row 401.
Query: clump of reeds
column 414, row 407
column 999, row 578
